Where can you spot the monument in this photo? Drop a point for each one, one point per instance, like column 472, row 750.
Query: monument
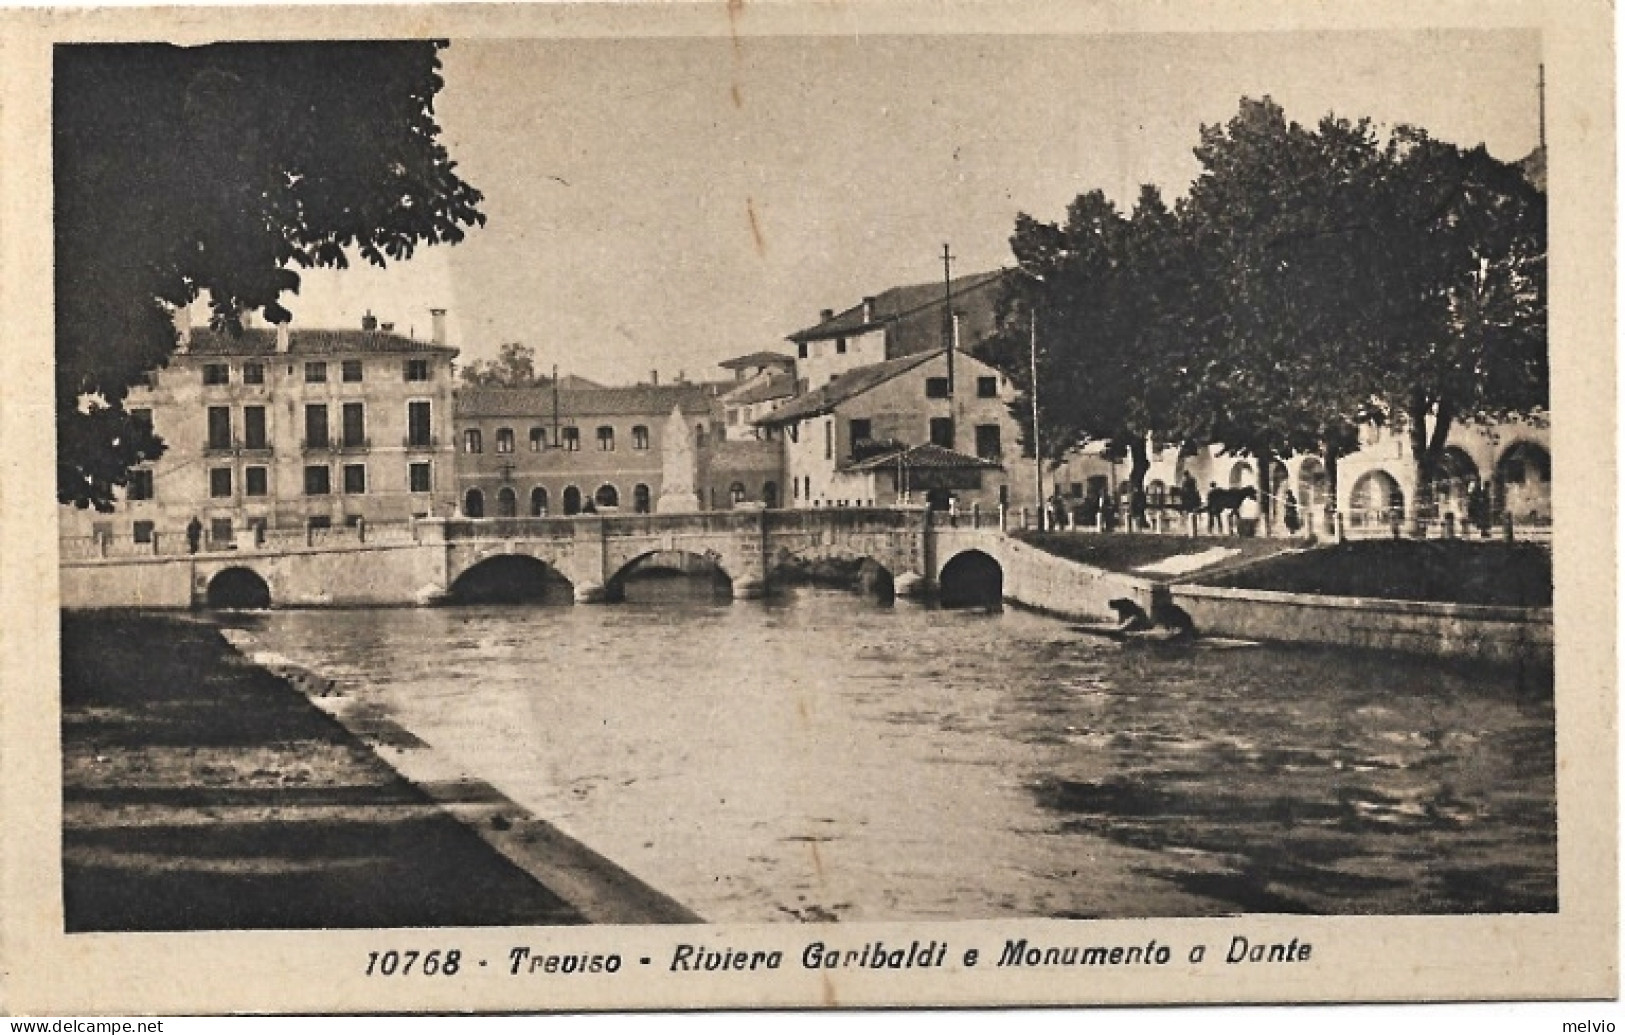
column 678, row 493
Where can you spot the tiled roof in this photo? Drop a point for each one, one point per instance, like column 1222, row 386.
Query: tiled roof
column 757, row 359
column 896, row 304
column 261, row 341
column 922, row 457
column 654, row 401
column 854, row 382
column 775, row 386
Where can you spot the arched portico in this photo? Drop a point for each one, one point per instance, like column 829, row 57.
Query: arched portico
column 971, row 578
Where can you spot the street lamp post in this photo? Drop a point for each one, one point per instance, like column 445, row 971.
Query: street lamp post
column 1038, row 448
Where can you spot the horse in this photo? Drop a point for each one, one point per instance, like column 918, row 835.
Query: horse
column 1222, row 501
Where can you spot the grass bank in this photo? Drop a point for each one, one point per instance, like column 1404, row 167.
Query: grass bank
column 201, row 792
column 1452, row 571
column 1127, row 551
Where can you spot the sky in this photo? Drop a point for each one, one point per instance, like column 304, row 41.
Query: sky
column 665, row 204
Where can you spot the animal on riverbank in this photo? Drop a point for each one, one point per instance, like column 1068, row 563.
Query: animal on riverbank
column 1225, row 504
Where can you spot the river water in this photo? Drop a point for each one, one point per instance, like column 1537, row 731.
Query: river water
column 819, row 757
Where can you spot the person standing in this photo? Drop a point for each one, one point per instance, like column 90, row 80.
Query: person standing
column 194, row 534
column 1289, row 513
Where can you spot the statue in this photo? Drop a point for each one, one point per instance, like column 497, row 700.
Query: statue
column 677, row 490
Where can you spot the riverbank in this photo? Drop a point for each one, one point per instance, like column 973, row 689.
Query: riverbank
column 203, row 792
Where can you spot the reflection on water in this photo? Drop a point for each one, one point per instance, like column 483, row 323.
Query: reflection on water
column 820, row 757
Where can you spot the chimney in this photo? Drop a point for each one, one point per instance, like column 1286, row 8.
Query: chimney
column 369, row 322
column 654, row 377
column 183, row 328
column 283, row 339
column 387, row 327
column 826, row 315
column 868, row 308
column 439, row 334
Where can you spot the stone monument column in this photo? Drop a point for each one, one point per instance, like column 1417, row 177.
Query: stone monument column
column 678, row 493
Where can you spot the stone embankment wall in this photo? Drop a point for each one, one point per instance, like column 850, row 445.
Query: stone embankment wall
column 1448, row 630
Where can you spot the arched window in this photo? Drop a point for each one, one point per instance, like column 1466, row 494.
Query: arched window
column 607, row 496
column 507, row 503
column 640, row 498
column 538, row 502
column 736, row 493
column 474, row 504
column 538, row 439
column 770, row 494
column 504, row 440
column 572, row 500
column 606, row 439
column 1376, row 499
column 640, row 437
column 471, row 441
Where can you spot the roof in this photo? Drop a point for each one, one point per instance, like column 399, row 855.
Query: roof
column 654, row 401
column 920, row 458
column 757, row 359
column 774, row 386
column 896, row 304
column 854, row 382
column 261, row 341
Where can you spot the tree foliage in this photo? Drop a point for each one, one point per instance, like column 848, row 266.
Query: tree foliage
column 223, row 170
column 1312, row 279
column 514, row 367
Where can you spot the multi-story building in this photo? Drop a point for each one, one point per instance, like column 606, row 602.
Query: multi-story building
column 282, row 428
column 885, row 413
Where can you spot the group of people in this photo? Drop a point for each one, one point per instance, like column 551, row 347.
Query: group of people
column 1229, row 511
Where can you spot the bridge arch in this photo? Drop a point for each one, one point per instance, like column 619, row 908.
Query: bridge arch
column 510, row 578
column 237, row 589
column 971, row 578
column 837, row 566
column 677, row 563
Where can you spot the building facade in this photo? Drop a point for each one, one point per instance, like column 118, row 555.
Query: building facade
column 283, row 429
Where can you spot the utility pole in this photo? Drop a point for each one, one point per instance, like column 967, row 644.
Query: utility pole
column 555, row 406
column 948, row 314
column 1541, row 87
column 1038, row 449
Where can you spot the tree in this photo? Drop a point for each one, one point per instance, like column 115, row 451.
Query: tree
column 514, row 367
column 1464, row 335
column 222, row 170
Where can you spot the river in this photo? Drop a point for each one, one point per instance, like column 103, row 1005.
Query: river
column 817, row 756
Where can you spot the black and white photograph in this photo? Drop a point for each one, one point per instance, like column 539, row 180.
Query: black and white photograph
column 785, row 515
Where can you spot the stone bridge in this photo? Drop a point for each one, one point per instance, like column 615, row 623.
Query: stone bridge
column 423, row 562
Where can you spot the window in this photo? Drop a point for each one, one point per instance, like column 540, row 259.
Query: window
column 141, row 531
column 316, row 425
column 736, row 493
column 640, row 499
column 829, row 439
column 936, row 388
column 142, row 415
column 220, row 531
column 253, row 373
column 987, row 388
column 416, row 370
column 606, row 439
column 216, row 374
column 770, row 494
column 355, row 424
column 254, row 427
column 220, row 482
column 859, row 430
column 317, row 481
column 572, row 500
column 355, row 478
column 504, row 440
column 538, row 439
column 318, row 522
column 472, row 442
column 640, row 437
column 315, row 373
column 351, row 370
column 418, row 476
column 417, row 424
column 507, row 503
column 801, row 350
column 140, row 485
column 254, row 481
column 942, row 432
column 474, row 503
column 607, row 496
column 987, row 441
column 219, row 427
column 570, row 438
column 538, row 502
column 699, row 435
